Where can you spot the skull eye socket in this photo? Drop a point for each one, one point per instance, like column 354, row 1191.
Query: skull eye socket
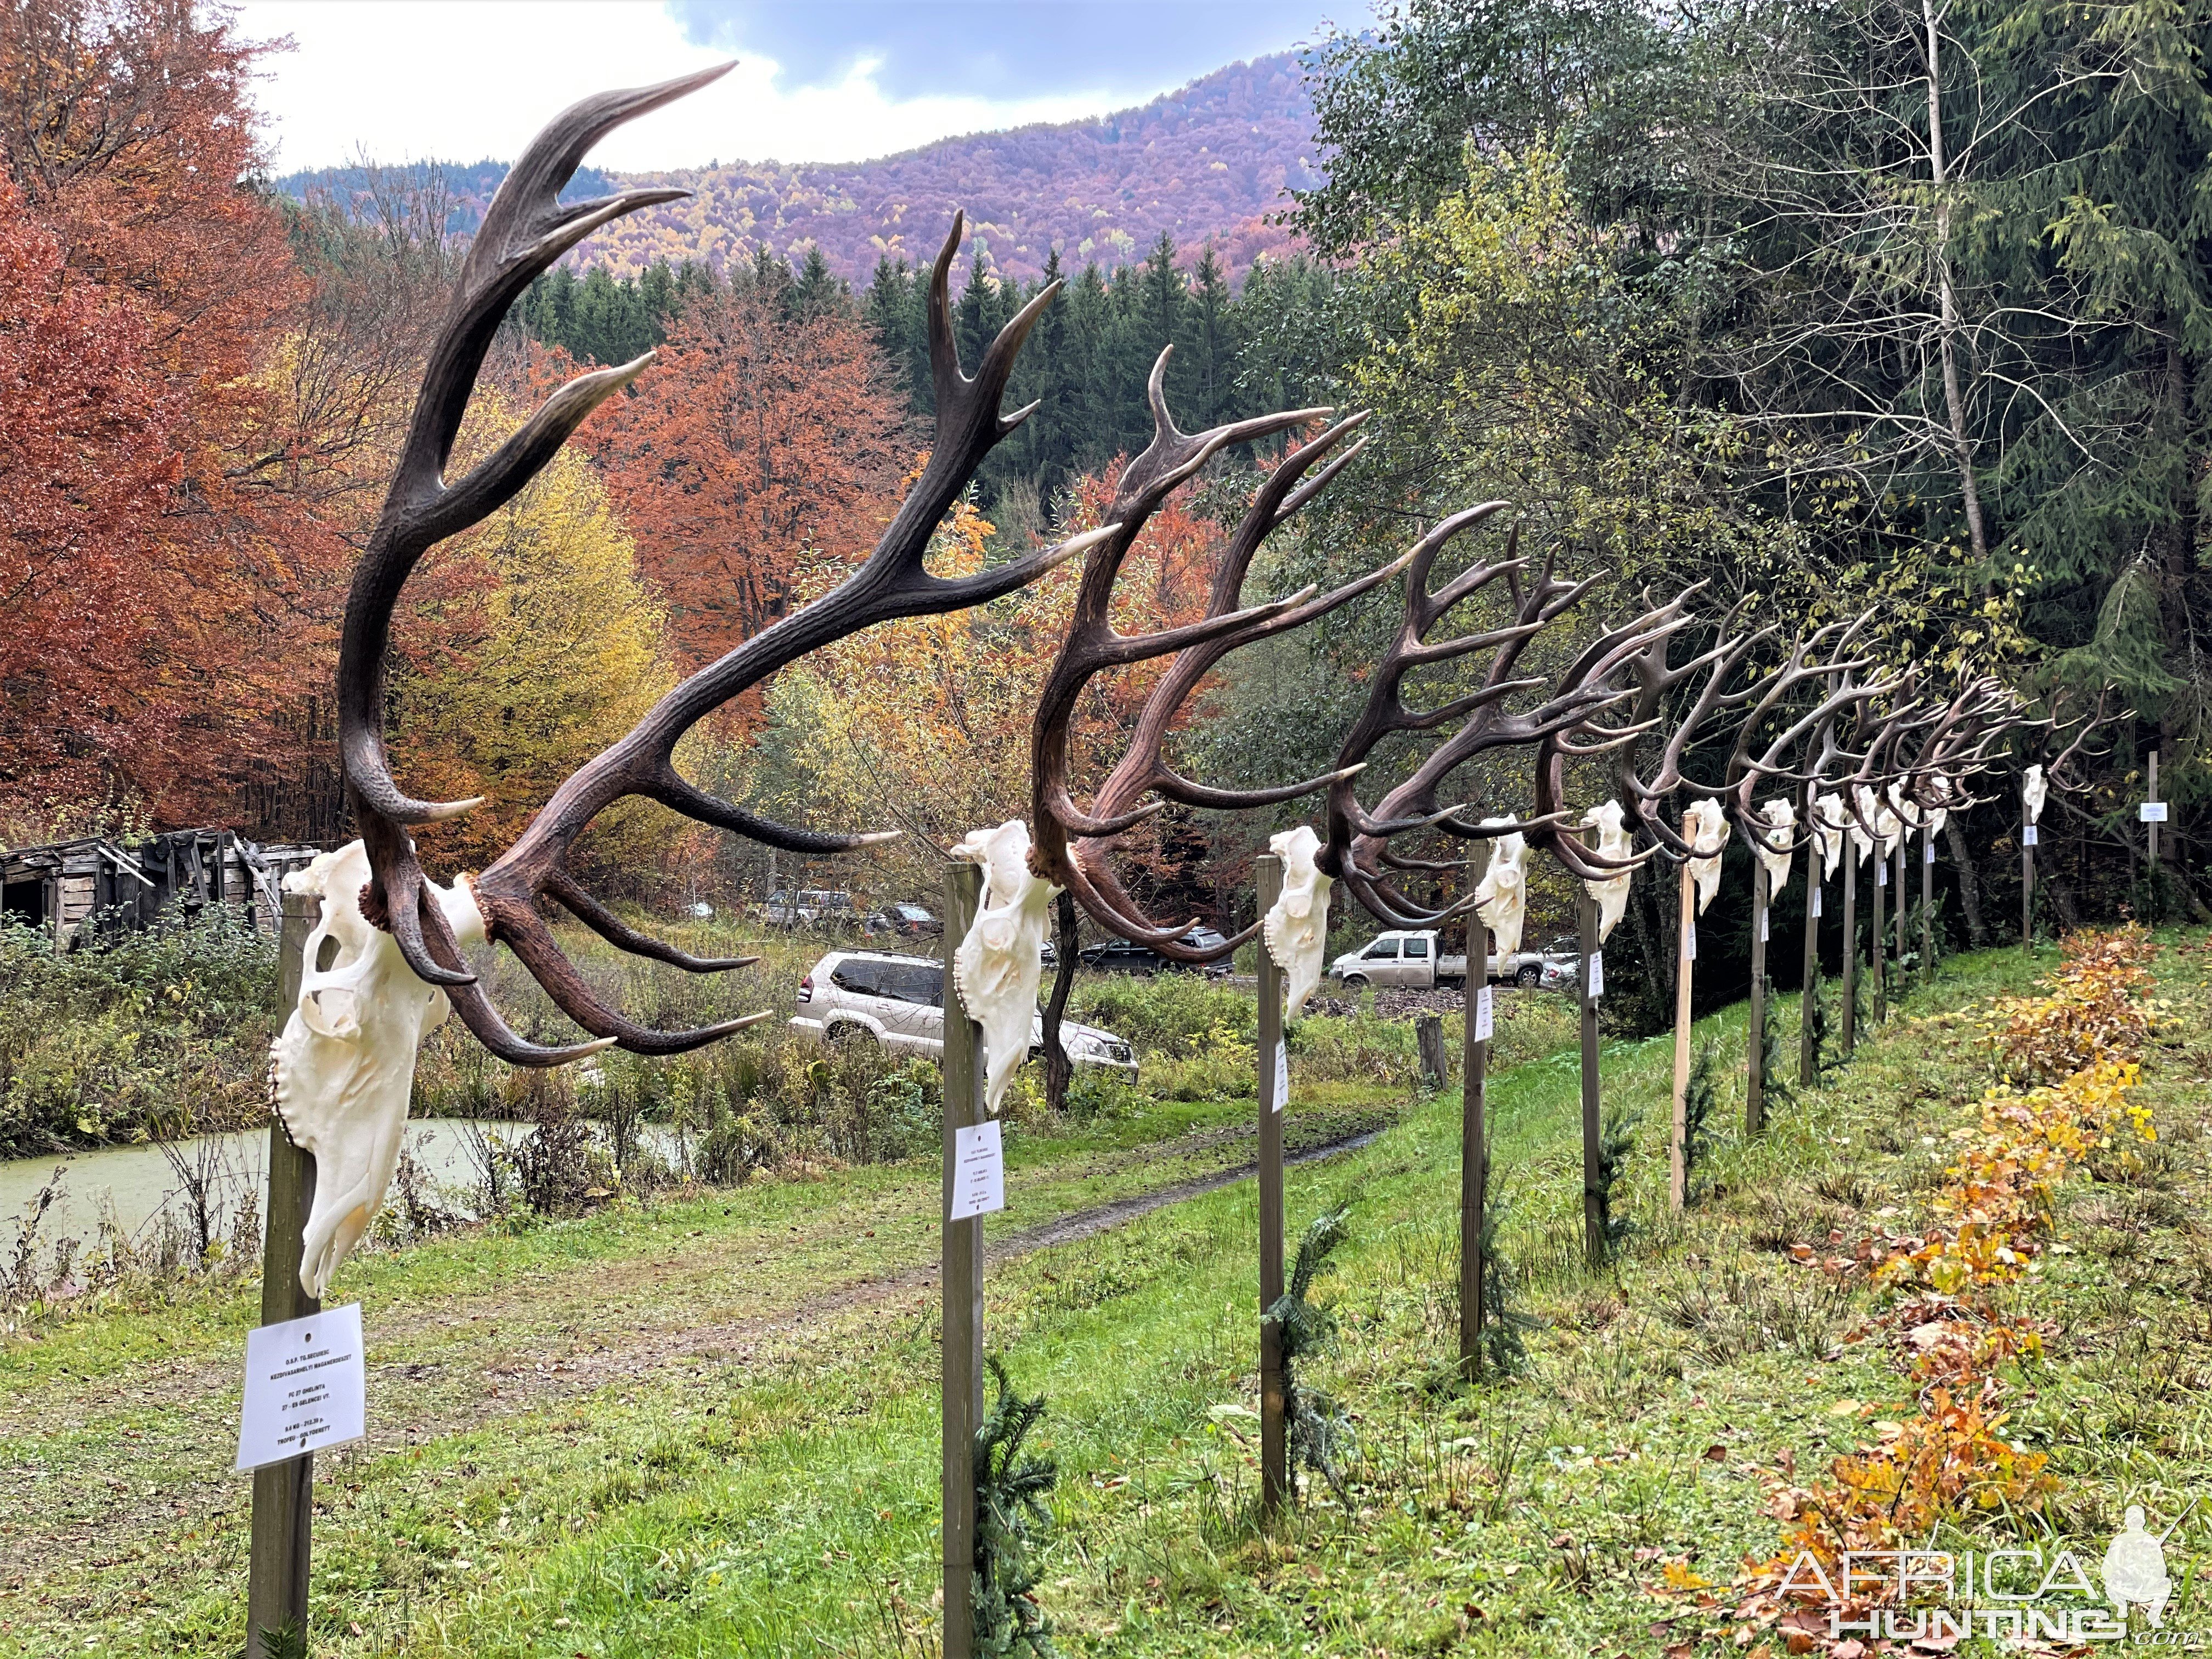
column 328, row 954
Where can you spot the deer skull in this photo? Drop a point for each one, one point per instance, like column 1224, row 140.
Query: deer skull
column 1613, row 842
column 997, row 967
column 1502, row 898
column 1828, row 832
column 344, row 1063
column 2032, row 789
column 1705, row 826
column 1784, row 818
column 1295, row 928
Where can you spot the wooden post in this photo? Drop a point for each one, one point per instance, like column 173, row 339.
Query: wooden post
column 1897, row 903
column 2157, row 905
column 1685, row 956
column 283, row 1494
column 1928, row 904
column 1874, row 937
column 1808, row 1048
column 1274, row 1439
column 1474, row 1151
column 1755, row 1089
column 2026, row 886
column 1594, row 1244
column 961, row 1405
column 1850, row 985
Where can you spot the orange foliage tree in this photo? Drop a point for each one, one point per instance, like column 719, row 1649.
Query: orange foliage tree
column 762, row 436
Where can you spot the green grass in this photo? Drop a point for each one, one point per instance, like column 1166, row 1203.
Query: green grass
column 735, row 1461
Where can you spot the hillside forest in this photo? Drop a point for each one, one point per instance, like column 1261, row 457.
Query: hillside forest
column 1831, row 307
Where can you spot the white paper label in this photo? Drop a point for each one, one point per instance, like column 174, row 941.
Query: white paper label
column 1817, row 891
column 1486, row 1015
column 1764, row 916
column 2027, row 835
column 1690, row 943
column 1928, row 852
column 1596, row 974
column 979, row 1171
column 307, row 1387
column 1282, row 1074
column 2152, row 811
column 1881, row 873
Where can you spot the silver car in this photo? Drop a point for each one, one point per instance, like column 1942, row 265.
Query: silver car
column 868, row 996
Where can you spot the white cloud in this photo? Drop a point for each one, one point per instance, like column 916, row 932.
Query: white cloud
column 462, row 79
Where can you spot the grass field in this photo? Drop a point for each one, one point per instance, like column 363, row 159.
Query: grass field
column 709, row 1427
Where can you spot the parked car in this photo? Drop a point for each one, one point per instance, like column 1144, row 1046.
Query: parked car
column 1547, row 967
column 1128, row 956
column 806, row 908
column 1400, row 957
column 869, row 996
column 905, row 920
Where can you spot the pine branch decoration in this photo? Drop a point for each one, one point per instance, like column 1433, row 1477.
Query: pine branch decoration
column 1010, row 1517
column 1320, row 1435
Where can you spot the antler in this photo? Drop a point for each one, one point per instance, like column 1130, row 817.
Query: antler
column 525, row 230
column 1071, row 845
column 1656, row 679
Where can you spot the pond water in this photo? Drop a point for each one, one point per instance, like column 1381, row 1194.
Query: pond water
column 138, row 1182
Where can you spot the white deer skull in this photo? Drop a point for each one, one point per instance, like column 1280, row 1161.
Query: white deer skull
column 1296, row 928
column 997, row 967
column 1828, row 832
column 344, row 1063
column 1613, row 842
column 1783, row 817
column 1705, row 826
column 1501, row 899
column 2032, row 789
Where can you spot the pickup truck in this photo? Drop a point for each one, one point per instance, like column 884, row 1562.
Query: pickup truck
column 1413, row 958
column 1400, row 958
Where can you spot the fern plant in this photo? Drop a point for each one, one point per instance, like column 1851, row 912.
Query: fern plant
column 1616, row 1141
column 1011, row 1487
column 1503, row 1352
column 1700, row 1120
column 1320, row 1431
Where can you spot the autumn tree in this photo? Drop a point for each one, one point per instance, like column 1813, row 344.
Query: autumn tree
column 767, row 432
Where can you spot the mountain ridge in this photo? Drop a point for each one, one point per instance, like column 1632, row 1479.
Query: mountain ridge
column 1210, row 161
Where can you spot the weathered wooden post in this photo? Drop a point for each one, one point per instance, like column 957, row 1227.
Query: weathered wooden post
column 1686, row 956
column 1808, row 1043
column 1274, row 1085
column 1589, row 982
column 2027, row 840
column 2154, row 814
column 1755, row 1089
column 962, row 1268
column 1927, row 901
column 1850, row 988
column 283, row 1494
column 1897, row 899
column 1474, row 1146
column 1874, row 935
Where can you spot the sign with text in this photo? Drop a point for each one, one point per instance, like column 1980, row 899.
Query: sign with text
column 1764, row 916
column 1928, row 852
column 1486, row 1015
column 2027, row 835
column 1817, row 891
column 306, row 1387
column 1282, row 1073
column 1596, row 974
column 979, row 1171
column 1690, row 943
column 2152, row 811
column 1881, row 873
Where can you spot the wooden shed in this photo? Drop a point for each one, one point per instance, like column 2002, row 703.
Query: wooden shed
column 58, row 887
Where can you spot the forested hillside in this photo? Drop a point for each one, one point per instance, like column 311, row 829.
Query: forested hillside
column 1209, row 162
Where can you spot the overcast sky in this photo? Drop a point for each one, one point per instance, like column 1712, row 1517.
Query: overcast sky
column 825, row 81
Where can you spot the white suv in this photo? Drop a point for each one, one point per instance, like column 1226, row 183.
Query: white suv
column 898, row 1001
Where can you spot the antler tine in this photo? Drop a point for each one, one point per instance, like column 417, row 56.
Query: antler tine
column 565, row 890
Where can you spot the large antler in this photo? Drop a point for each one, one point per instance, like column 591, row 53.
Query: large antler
column 1658, row 681
column 525, row 230
column 1071, row 845
column 1358, row 848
